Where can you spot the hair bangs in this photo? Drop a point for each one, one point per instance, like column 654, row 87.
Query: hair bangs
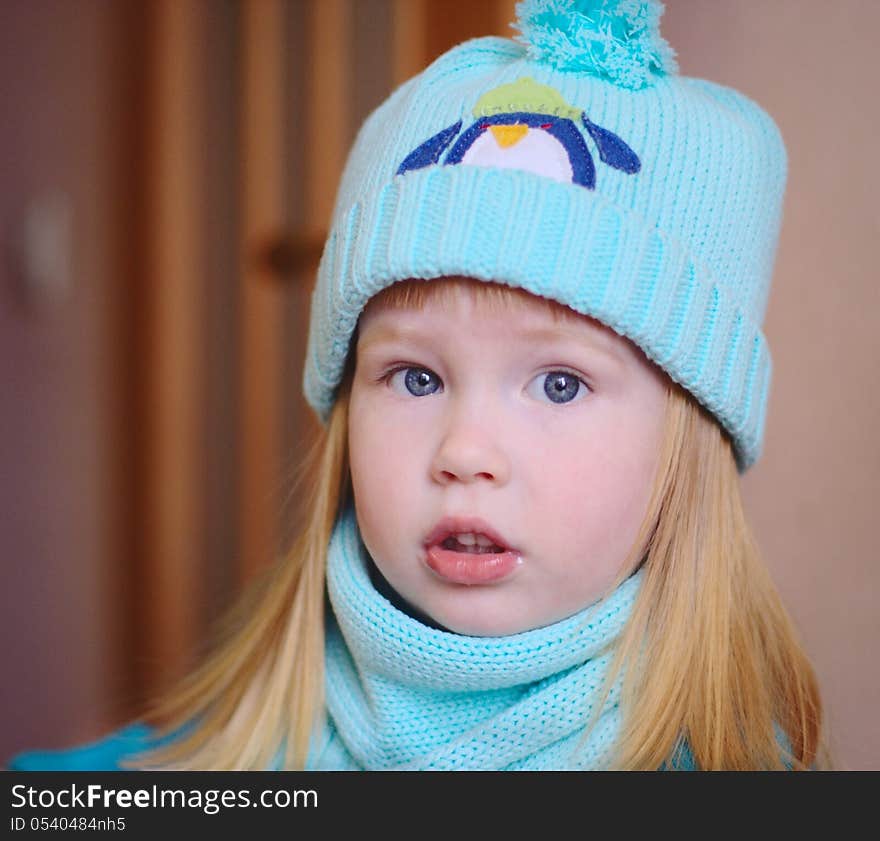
column 416, row 293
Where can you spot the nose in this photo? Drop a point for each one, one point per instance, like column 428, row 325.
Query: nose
column 470, row 450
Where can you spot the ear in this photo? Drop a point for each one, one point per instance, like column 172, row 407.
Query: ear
column 429, row 152
column 612, row 150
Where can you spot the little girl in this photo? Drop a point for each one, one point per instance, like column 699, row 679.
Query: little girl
column 535, row 345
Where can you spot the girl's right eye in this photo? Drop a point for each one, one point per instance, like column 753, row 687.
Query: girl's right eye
column 417, row 381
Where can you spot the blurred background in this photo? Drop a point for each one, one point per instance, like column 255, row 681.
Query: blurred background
column 167, row 172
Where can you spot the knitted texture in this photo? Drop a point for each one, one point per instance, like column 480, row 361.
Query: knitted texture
column 404, row 696
column 655, row 210
column 618, row 40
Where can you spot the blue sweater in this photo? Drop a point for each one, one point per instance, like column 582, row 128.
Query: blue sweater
column 101, row 755
column 105, row 754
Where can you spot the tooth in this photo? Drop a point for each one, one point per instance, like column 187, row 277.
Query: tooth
column 484, row 541
column 466, row 539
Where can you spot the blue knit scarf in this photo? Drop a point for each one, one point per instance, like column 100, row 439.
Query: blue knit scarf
column 402, row 695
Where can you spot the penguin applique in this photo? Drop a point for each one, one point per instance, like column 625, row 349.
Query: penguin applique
column 540, row 136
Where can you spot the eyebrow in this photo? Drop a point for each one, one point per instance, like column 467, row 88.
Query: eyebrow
column 546, row 335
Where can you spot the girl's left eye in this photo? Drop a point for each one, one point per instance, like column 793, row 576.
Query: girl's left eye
column 560, row 386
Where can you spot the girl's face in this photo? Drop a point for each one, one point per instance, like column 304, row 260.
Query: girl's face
column 549, row 432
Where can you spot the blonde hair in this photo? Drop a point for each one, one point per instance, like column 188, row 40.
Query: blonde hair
column 709, row 657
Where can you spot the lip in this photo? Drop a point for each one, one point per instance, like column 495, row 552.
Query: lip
column 466, row 525
column 471, row 569
column 465, row 567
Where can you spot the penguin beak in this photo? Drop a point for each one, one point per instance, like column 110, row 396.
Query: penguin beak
column 506, row 136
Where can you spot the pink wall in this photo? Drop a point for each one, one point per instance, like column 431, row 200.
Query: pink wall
column 813, row 496
column 58, row 501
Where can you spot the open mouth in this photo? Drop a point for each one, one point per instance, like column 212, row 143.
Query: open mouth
column 471, row 559
column 466, row 549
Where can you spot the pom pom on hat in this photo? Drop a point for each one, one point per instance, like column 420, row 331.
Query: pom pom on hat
column 617, row 40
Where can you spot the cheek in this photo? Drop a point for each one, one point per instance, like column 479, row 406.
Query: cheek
column 577, row 491
column 379, row 448
column 594, row 488
column 383, row 464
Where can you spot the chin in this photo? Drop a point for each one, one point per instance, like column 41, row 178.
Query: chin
column 466, row 626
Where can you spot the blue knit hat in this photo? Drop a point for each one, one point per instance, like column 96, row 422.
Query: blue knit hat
column 574, row 163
